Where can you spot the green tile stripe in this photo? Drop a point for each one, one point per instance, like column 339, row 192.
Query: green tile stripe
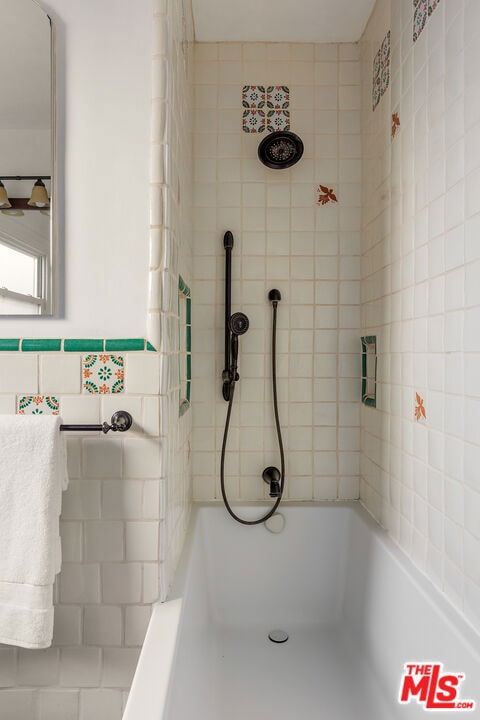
column 41, row 345
column 9, row 344
column 183, row 287
column 75, row 344
column 125, row 344
column 83, row 345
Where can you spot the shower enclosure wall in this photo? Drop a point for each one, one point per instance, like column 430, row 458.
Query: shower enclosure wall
column 285, row 239
column 397, row 165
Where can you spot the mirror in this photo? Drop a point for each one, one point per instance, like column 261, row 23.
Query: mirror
column 26, row 160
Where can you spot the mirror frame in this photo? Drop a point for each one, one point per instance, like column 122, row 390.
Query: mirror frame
column 52, row 272
column 52, row 284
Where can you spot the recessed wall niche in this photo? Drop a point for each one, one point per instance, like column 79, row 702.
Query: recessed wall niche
column 185, row 335
column 369, row 370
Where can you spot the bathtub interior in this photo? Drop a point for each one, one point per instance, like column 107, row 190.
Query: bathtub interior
column 355, row 608
column 243, row 582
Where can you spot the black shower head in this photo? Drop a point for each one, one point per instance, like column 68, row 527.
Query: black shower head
column 280, row 150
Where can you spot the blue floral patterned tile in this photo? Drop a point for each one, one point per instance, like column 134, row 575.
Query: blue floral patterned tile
column 38, row 405
column 420, row 14
column 381, row 71
column 278, row 104
column 253, row 102
column 102, row 374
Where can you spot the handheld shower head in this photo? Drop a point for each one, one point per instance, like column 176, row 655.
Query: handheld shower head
column 238, row 323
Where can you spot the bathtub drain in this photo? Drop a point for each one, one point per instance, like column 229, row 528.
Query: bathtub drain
column 278, row 636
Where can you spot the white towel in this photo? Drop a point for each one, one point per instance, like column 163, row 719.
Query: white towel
column 33, row 473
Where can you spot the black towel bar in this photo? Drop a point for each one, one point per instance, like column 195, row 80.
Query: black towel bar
column 120, row 422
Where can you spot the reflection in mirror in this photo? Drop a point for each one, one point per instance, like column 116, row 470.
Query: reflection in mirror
column 26, row 160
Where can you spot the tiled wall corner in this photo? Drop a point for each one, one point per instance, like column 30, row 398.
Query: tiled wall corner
column 172, row 128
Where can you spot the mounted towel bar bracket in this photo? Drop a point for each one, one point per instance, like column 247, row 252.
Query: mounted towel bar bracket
column 121, row 422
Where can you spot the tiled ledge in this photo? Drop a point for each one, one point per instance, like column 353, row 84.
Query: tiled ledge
column 74, row 344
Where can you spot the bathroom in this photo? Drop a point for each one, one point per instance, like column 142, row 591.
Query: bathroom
column 371, row 234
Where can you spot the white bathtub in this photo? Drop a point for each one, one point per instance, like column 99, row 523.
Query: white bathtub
column 355, row 608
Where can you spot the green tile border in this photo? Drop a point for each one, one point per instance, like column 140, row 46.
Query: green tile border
column 41, row 345
column 184, row 290
column 369, row 400
column 10, row 344
column 125, row 344
column 183, row 287
column 83, row 345
column 75, row 345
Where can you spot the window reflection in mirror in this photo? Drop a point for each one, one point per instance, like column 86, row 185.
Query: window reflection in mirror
column 26, row 154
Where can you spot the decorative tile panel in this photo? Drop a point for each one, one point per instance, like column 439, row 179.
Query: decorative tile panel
column 432, row 5
column 102, row 374
column 278, row 104
column 419, row 17
column 253, row 102
column 38, row 405
column 265, row 109
column 381, row 71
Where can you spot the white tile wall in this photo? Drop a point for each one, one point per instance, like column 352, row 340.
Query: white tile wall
column 282, row 239
column 419, row 292
column 110, row 543
column 58, row 705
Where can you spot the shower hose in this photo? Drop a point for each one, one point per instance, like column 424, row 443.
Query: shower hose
column 279, row 435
